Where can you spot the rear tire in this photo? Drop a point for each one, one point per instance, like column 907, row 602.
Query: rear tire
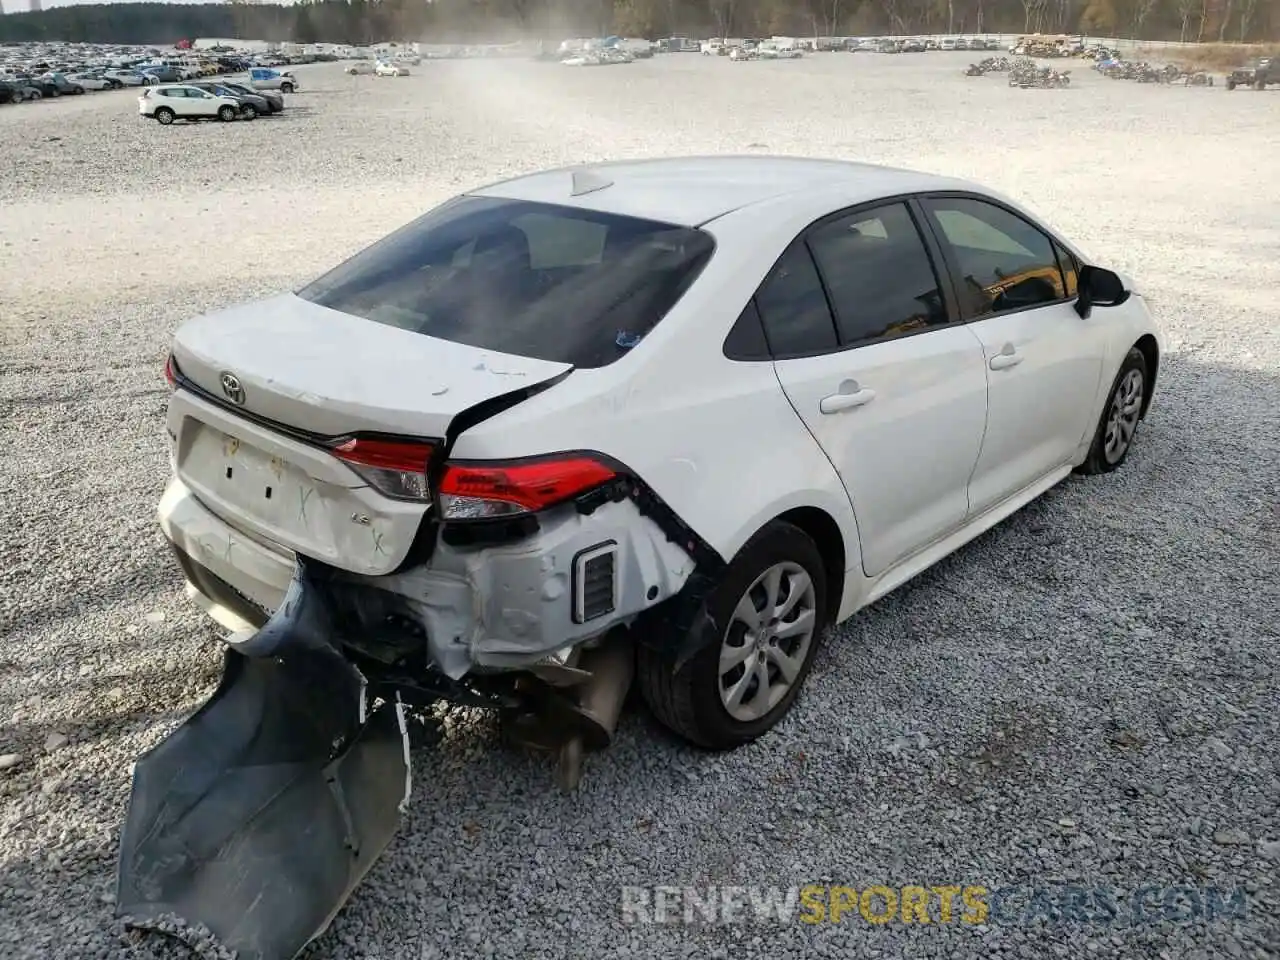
column 55, row 92
column 249, row 112
column 164, row 116
column 714, row 699
column 286, row 88
column 226, row 113
column 1118, row 423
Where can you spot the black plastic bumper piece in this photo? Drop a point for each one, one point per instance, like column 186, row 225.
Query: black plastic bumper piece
column 259, row 816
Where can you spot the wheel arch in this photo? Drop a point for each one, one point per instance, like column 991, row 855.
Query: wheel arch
column 822, row 528
column 1150, row 351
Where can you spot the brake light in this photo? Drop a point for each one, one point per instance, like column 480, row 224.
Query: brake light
column 171, row 372
column 397, row 468
column 480, row 491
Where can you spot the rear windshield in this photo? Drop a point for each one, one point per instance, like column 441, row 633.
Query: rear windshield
column 532, row 279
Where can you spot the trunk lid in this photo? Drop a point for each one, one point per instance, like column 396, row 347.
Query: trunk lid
column 303, row 372
column 329, row 373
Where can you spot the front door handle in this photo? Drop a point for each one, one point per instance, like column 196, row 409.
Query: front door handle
column 850, row 396
column 1006, row 358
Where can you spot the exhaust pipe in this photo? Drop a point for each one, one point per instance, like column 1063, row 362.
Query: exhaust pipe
column 612, row 667
column 578, row 709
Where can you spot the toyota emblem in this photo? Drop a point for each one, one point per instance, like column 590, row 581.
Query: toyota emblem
column 231, row 387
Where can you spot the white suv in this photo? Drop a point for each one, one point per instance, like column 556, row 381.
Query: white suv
column 169, row 102
column 712, row 404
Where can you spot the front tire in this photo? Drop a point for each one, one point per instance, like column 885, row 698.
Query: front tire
column 772, row 607
column 249, row 112
column 1120, row 415
column 226, row 114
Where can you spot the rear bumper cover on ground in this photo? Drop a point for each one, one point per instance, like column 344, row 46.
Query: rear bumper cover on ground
column 257, row 817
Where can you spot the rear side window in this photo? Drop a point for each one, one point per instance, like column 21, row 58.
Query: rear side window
column 794, row 307
column 538, row 280
column 878, row 274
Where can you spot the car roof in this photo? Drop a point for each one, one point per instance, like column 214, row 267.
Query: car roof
column 691, row 191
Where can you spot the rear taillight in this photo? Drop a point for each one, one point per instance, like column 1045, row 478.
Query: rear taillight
column 171, row 372
column 397, row 468
column 482, row 491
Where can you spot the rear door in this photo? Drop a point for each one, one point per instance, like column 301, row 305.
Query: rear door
column 861, row 328
column 1042, row 360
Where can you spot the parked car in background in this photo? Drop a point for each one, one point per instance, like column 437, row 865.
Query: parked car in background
column 126, row 78
column 158, row 75
column 268, row 78
column 359, row 68
column 90, row 82
column 9, row 92
column 274, row 100
column 63, row 85
column 1257, row 74
column 387, row 68
column 26, row 90
column 170, row 102
column 252, row 104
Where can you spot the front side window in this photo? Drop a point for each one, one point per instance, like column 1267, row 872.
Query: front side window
column 1004, row 262
column 534, row 279
column 878, row 273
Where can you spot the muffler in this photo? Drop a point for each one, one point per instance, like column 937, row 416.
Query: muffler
column 568, row 719
column 258, row 816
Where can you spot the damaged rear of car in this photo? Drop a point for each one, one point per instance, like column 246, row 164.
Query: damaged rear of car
column 319, row 514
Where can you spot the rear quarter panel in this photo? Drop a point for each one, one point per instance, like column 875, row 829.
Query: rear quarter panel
column 715, row 438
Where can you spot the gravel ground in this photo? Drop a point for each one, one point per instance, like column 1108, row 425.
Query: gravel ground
column 1086, row 694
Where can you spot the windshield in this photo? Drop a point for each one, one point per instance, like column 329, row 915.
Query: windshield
column 538, row 280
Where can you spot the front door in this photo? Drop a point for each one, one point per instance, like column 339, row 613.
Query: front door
column 1042, row 360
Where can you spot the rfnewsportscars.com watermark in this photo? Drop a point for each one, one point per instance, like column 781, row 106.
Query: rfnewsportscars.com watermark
column 947, row 903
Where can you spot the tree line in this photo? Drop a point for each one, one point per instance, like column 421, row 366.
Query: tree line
column 453, row 21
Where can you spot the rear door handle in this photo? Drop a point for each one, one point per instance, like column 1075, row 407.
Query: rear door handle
column 1006, row 358
column 850, row 396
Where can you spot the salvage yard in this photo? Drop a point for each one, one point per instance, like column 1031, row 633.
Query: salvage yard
column 1086, row 695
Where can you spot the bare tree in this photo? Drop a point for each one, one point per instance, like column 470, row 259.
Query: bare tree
column 1186, row 8
column 1247, row 9
column 1141, row 10
column 722, row 11
column 1226, row 19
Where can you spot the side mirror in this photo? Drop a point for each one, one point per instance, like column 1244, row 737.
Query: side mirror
column 1100, row 287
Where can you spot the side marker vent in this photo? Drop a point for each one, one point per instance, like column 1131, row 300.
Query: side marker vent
column 595, row 582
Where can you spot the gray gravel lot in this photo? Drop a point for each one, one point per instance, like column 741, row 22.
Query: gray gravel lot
column 1087, row 694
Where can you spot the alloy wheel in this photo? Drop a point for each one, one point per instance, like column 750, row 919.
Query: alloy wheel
column 1122, row 420
column 767, row 641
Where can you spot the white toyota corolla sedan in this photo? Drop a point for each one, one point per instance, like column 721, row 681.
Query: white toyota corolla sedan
column 714, row 404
